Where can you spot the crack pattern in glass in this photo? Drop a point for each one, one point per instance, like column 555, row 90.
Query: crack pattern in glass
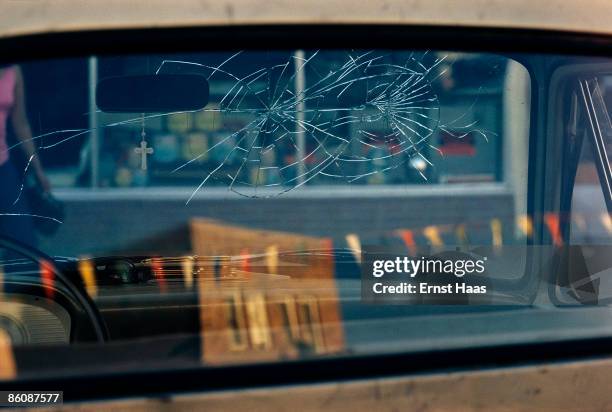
column 323, row 125
column 314, row 113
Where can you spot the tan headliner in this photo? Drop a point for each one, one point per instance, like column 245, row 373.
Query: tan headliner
column 22, row 17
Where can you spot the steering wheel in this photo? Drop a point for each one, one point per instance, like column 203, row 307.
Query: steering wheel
column 92, row 313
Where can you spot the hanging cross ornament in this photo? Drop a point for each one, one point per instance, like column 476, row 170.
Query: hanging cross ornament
column 143, row 150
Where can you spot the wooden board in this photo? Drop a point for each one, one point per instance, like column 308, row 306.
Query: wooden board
column 264, row 295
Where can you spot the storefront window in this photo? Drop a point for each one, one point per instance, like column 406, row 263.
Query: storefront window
column 443, row 124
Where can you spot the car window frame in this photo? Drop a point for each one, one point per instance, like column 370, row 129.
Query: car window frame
column 449, row 38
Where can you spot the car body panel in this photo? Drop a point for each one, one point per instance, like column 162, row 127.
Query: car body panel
column 566, row 386
column 26, row 17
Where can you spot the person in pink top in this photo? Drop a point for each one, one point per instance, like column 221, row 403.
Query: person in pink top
column 15, row 216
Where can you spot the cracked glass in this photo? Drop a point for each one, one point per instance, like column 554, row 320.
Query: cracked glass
column 235, row 233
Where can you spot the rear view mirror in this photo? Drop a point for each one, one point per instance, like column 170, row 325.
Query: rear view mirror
column 152, row 93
